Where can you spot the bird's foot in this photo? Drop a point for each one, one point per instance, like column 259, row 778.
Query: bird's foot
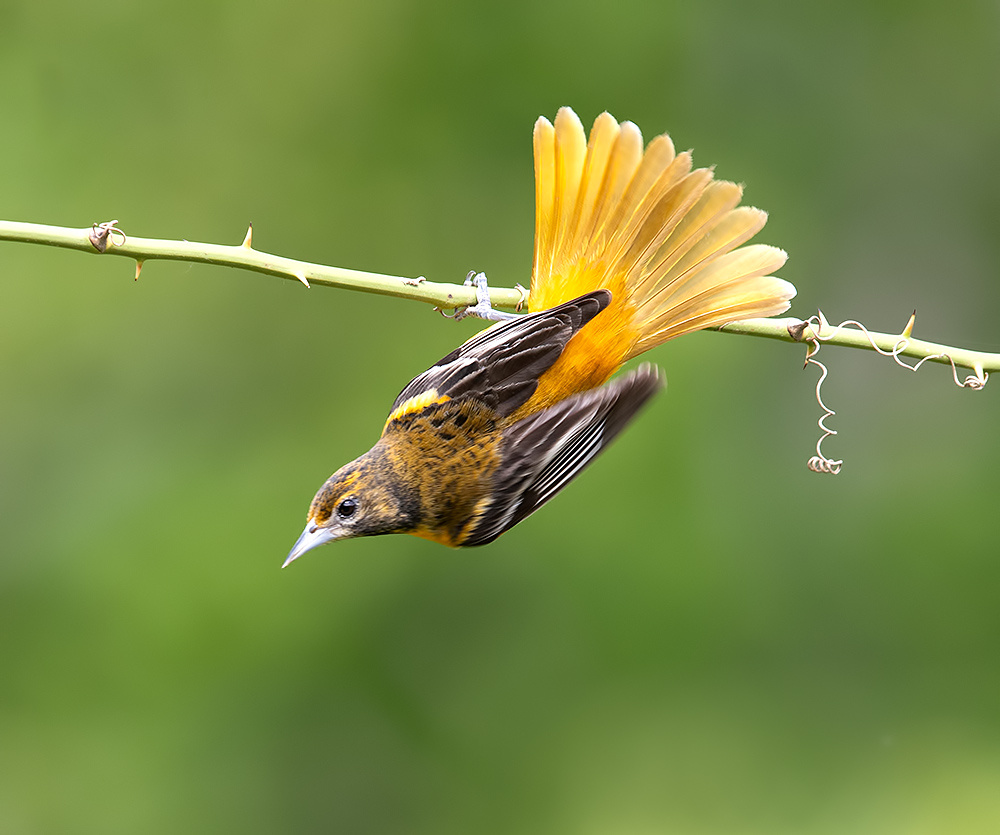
column 482, row 309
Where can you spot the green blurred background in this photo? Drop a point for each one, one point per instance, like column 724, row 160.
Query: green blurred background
column 699, row 636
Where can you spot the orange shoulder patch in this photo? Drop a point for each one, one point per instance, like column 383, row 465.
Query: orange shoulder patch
column 415, row 404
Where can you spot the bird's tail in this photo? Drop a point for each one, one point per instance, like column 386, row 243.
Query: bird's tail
column 663, row 238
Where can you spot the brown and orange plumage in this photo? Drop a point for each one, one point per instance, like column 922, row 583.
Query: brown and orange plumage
column 632, row 248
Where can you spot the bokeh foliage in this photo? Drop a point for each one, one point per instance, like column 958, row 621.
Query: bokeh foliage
column 698, row 636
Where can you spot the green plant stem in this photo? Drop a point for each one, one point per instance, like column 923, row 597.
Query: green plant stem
column 795, row 330
column 242, row 256
column 449, row 296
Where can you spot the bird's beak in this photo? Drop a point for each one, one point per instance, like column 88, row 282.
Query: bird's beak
column 312, row 537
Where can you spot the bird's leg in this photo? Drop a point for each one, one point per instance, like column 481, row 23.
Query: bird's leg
column 482, row 308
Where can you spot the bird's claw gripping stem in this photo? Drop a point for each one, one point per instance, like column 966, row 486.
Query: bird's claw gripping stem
column 482, row 309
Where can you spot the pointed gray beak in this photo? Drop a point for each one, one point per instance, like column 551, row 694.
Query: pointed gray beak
column 312, row 537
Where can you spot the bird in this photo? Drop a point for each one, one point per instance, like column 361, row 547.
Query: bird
column 633, row 247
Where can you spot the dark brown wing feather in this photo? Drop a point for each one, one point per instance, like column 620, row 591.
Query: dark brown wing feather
column 544, row 452
column 500, row 366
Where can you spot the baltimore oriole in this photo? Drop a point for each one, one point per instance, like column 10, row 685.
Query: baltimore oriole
column 632, row 248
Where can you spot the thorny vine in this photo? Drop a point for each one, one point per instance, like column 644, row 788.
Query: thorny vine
column 820, row 331
column 107, row 239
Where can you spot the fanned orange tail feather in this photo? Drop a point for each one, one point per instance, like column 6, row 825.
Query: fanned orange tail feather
column 663, row 238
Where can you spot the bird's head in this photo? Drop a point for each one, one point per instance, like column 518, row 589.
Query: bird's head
column 363, row 498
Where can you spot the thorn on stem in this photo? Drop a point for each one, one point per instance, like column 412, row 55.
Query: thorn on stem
column 248, row 239
column 797, row 331
column 138, row 269
column 303, row 279
column 820, row 463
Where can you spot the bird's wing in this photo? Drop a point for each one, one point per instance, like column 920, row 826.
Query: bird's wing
column 545, row 451
column 500, row 366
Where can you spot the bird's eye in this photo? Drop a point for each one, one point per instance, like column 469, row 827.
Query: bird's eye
column 346, row 509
